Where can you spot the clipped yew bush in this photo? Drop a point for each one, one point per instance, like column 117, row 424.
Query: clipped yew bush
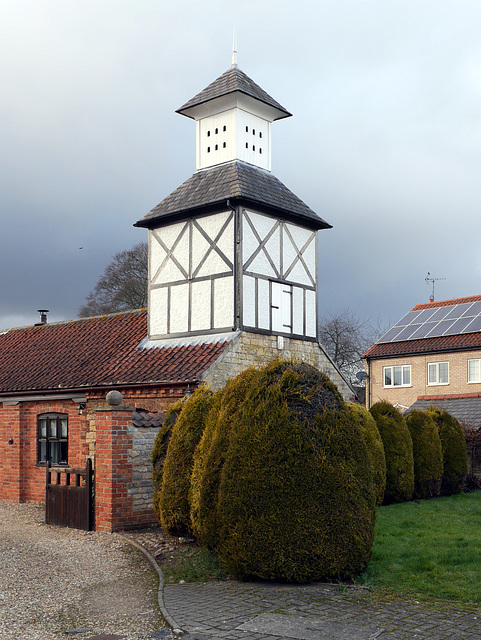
column 173, row 499
column 159, row 451
column 427, row 454
column 398, row 451
column 209, row 456
column 375, row 449
column 286, row 473
column 453, row 444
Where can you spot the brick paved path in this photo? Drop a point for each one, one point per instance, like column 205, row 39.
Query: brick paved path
column 232, row 610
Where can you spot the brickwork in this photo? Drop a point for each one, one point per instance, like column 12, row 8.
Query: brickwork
column 406, row 396
column 253, row 349
column 123, row 481
column 22, row 479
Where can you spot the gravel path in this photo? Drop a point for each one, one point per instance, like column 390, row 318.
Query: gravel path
column 54, row 580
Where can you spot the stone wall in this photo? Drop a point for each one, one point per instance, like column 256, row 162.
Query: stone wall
column 253, row 349
column 141, row 488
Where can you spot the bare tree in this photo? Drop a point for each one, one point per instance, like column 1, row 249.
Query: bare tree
column 123, row 285
column 346, row 337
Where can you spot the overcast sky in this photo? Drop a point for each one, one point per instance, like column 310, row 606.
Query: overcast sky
column 384, row 142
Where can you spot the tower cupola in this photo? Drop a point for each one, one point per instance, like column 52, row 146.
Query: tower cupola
column 233, row 117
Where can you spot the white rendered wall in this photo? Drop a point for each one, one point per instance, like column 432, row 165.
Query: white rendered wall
column 191, row 276
column 279, row 275
column 233, row 135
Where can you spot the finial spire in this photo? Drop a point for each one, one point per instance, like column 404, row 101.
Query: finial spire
column 234, row 51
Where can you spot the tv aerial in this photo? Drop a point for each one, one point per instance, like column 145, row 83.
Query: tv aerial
column 429, row 279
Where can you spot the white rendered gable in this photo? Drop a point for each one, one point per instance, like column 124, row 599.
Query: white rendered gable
column 278, row 276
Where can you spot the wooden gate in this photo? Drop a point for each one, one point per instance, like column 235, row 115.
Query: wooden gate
column 69, row 497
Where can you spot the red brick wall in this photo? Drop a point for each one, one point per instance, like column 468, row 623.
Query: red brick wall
column 114, row 508
column 23, row 480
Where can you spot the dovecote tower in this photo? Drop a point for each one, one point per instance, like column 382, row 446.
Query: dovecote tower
column 232, row 251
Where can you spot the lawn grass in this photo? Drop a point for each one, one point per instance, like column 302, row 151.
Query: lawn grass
column 429, row 549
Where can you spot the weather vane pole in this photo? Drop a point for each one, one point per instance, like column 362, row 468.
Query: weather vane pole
column 234, row 51
column 429, row 279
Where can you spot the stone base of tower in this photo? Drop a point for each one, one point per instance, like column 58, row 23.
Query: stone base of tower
column 254, row 349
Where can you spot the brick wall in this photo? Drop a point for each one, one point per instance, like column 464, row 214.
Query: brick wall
column 123, row 480
column 458, row 378
column 22, row 479
column 253, row 349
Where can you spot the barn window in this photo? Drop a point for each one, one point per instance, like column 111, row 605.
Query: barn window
column 52, row 441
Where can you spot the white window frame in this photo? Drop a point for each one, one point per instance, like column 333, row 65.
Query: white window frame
column 404, row 369
column 435, row 366
column 478, row 361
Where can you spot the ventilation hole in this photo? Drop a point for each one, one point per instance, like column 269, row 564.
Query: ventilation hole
column 216, row 147
column 208, row 133
column 253, row 147
column 260, row 134
column 208, row 149
column 247, row 129
column 247, row 145
column 260, row 150
column 224, row 145
column 217, row 131
column 224, row 128
column 253, row 132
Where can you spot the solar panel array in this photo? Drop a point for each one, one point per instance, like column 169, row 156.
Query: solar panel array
column 438, row 321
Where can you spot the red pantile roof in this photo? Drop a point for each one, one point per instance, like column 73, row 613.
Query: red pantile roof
column 458, row 342
column 95, row 352
column 445, row 303
column 427, row 345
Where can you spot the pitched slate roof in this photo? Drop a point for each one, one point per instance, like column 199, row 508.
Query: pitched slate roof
column 232, row 181
column 233, row 80
column 465, row 408
column 95, row 352
column 459, row 342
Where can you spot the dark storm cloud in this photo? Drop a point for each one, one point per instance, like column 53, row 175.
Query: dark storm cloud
column 385, row 142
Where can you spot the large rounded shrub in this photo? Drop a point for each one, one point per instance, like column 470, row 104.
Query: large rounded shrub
column 398, row 450
column 291, row 484
column 375, row 449
column 173, row 500
column 427, row 453
column 209, row 456
column 453, row 443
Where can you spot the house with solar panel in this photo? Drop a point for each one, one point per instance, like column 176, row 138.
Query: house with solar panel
column 232, row 284
column 432, row 356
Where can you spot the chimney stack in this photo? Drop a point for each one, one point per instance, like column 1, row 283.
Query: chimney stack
column 43, row 315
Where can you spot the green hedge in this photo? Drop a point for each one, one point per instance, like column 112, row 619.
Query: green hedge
column 173, row 499
column 159, row 451
column 427, row 452
column 398, row 451
column 282, row 486
column 453, row 443
column 375, row 449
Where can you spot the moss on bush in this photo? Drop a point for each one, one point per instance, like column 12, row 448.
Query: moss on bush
column 427, row 453
column 173, row 500
column 375, row 449
column 286, row 473
column 398, row 451
column 453, row 443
